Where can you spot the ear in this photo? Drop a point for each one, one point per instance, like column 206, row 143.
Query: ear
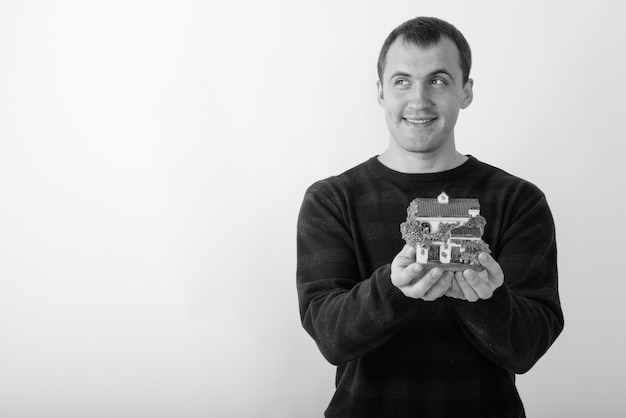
column 380, row 96
column 468, row 93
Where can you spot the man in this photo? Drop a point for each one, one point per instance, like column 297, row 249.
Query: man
column 409, row 341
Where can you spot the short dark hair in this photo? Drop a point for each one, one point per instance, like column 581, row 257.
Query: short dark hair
column 426, row 32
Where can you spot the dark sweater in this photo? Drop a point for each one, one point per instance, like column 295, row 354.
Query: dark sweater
column 400, row 357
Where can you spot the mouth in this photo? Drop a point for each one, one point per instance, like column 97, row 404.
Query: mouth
column 420, row 121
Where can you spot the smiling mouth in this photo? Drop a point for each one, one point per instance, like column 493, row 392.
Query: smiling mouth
column 419, row 121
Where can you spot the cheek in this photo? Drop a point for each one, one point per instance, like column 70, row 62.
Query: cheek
column 451, row 106
column 393, row 107
column 389, row 117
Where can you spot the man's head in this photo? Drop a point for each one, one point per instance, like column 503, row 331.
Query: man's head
column 424, row 82
column 425, row 32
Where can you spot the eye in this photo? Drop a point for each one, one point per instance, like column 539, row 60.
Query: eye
column 439, row 82
column 401, row 82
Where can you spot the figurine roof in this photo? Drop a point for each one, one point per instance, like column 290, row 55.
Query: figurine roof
column 464, row 231
column 454, row 207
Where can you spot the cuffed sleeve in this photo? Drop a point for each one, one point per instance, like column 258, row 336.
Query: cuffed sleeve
column 346, row 314
column 518, row 324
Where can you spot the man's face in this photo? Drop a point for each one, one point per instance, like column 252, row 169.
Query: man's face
column 421, row 92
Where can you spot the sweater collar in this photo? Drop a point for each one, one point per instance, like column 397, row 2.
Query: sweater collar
column 453, row 173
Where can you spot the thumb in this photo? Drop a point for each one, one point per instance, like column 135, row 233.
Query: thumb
column 405, row 257
column 408, row 251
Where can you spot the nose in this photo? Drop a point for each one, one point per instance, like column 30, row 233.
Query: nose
column 419, row 97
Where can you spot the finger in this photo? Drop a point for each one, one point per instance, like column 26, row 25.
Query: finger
column 455, row 291
column 496, row 275
column 419, row 288
column 440, row 287
column 479, row 281
column 409, row 275
column 408, row 251
column 476, row 278
column 405, row 257
column 468, row 291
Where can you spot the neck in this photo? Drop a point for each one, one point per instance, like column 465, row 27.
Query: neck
column 421, row 162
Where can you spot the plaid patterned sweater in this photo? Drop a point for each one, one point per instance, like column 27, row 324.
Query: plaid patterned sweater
column 399, row 357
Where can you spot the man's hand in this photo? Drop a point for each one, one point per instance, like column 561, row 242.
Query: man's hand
column 473, row 285
column 409, row 276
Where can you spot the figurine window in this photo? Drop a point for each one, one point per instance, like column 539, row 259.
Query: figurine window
column 443, row 198
column 425, row 227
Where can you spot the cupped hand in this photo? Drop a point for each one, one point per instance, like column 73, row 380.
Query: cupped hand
column 474, row 285
column 412, row 279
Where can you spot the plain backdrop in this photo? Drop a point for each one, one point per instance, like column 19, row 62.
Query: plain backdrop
column 154, row 156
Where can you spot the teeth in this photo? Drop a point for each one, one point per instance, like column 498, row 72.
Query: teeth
column 418, row 120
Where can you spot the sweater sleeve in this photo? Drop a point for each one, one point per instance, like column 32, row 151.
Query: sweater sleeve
column 346, row 314
column 520, row 322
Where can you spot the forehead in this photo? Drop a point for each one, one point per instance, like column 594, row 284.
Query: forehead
column 413, row 59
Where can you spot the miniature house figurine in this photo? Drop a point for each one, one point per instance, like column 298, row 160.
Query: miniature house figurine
column 445, row 232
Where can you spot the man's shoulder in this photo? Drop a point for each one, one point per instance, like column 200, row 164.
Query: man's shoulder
column 344, row 181
column 499, row 175
column 492, row 170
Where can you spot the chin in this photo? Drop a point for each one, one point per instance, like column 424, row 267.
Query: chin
column 421, row 147
column 424, row 145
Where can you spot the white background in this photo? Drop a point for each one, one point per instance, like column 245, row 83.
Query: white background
column 153, row 158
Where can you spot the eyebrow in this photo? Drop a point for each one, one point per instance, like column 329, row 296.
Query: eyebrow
column 442, row 71
column 431, row 74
